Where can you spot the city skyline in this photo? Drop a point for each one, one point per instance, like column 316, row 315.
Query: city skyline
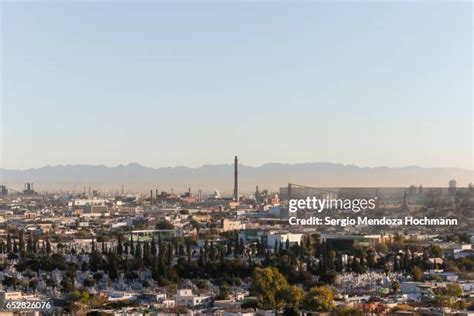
column 191, row 84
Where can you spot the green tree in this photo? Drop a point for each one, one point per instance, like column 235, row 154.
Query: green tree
column 319, row 299
column 268, row 285
column 436, row 251
column 349, row 311
column 10, row 282
column 454, row 289
column 395, row 287
column 290, row 296
column 33, row 284
column 164, row 224
column 119, row 245
column 48, row 246
column 224, row 292
column 9, row 242
column 444, row 300
column 21, row 241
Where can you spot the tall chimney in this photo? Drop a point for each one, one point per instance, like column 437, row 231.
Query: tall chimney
column 236, row 178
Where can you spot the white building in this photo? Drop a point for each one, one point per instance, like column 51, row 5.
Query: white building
column 87, row 202
column 185, row 297
column 282, row 237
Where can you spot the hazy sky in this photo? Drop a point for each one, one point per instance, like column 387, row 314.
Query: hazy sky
column 167, row 84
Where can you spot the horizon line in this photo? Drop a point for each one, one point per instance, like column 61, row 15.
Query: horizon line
column 229, row 164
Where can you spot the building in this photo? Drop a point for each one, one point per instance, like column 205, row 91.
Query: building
column 186, row 298
column 10, row 296
column 228, row 225
column 344, row 242
column 282, row 238
column 99, row 211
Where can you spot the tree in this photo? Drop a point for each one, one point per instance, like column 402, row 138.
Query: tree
column 112, row 267
column 21, row 241
column 119, row 245
column 169, row 257
column 132, row 249
column 417, row 274
column 444, row 300
column 224, row 292
column 77, row 300
column 153, row 246
column 164, row 224
column 189, row 252
column 395, row 287
column 268, row 283
column 33, row 284
column 138, row 252
column 436, row 251
column 370, row 259
column 67, row 285
column 291, row 311
column 29, row 245
column 10, row 282
column 48, row 246
column 9, row 243
column 454, row 289
column 84, row 266
column 146, row 253
column 349, row 311
column 291, row 296
column 319, row 299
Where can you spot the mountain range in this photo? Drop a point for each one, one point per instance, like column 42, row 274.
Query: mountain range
column 135, row 177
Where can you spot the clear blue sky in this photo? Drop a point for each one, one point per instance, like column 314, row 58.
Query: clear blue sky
column 371, row 84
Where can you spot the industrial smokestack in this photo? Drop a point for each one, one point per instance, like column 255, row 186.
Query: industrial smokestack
column 236, row 178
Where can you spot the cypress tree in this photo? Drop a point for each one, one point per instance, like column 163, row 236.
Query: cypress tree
column 146, row 253
column 21, row 242
column 9, row 243
column 188, row 251
column 138, row 252
column 29, row 245
column 170, row 254
column 119, row 245
column 153, row 246
column 132, row 247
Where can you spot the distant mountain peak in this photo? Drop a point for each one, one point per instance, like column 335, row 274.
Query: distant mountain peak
column 137, row 177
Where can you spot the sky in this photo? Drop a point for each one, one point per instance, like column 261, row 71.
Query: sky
column 187, row 84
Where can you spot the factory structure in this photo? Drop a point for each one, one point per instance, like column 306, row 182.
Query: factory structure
column 236, row 178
